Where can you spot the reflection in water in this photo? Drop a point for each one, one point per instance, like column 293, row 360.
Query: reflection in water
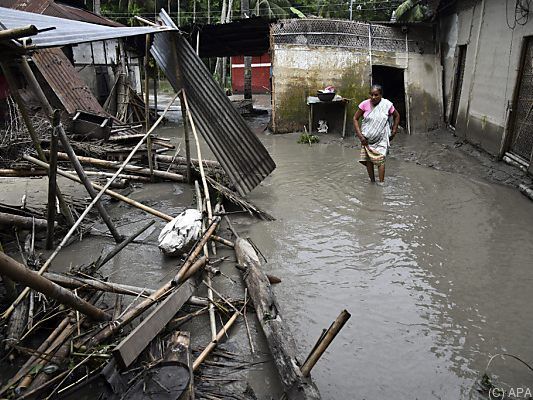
column 434, row 268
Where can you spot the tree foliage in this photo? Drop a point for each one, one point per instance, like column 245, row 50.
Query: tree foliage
column 197, row 10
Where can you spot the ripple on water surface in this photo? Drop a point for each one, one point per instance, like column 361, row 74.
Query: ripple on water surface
column 430, row 266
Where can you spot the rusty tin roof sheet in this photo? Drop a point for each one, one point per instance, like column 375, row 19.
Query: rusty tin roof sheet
column 65, row 82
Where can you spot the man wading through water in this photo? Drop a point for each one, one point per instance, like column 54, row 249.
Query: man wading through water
column 375, row 132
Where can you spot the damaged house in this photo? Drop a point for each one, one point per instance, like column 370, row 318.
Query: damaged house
column 470, row 68
column 487, row 58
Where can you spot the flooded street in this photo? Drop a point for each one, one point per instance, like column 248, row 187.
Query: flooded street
column 435, row 268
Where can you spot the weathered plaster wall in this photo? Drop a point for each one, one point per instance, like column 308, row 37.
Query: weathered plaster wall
column 492, row 64
column 299, row 71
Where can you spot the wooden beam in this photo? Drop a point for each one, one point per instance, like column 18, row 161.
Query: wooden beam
column 130, row 347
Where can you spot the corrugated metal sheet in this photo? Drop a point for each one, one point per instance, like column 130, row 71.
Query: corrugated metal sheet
column 65, row 82
column 236, row 147
column 67, row 31
column 53, row 9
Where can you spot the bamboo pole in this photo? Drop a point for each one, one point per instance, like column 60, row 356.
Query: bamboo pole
column 36, row 88
column 109, row 192
column 22, row 222
column 147, row 105
column 123, row 244
column 84, row 214
column 183, row 107
column 138, row 309
column 183, row 160
column 73, row 282
column 63, row 206
column 203, row 355
column 192, row 256
column 39, row 354
column 52, row 184
column 333, row 330
column 17, row 33
column 200, row 163
column 225, row 242
column 131, row 168
column 19, row 273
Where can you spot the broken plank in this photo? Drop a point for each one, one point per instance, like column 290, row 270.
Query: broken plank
column 131, row 346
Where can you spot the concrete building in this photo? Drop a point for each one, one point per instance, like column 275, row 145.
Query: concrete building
column 310, row 54
column 487, row 55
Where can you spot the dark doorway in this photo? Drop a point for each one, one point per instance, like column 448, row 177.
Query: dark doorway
column 458, row 84
column 391, row 79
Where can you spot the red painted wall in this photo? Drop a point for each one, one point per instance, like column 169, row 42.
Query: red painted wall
column 260, row 74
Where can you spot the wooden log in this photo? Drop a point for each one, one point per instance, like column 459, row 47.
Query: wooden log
column 19, row 173
column 130, row 347
column 130, row 168
column 280, row 341
column 73, row 282
column 52, row 184
column 323, row 344
column 19, row 273
column 22, row 222
column 179, row 351
column 109, row 192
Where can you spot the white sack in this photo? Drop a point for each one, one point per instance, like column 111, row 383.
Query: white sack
column 179, row 235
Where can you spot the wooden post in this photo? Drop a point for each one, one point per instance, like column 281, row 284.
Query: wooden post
column 65, row 210
column 52, row 183
column 32, row 82
column 147, row 104
column 324, row 342
column 19, row 273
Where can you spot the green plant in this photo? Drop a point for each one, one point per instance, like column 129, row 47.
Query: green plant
column 309, row 139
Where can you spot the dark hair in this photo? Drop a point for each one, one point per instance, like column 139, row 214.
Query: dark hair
column 375, row 86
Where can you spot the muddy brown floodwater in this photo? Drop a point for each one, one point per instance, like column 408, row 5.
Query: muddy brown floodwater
column 435, row 268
